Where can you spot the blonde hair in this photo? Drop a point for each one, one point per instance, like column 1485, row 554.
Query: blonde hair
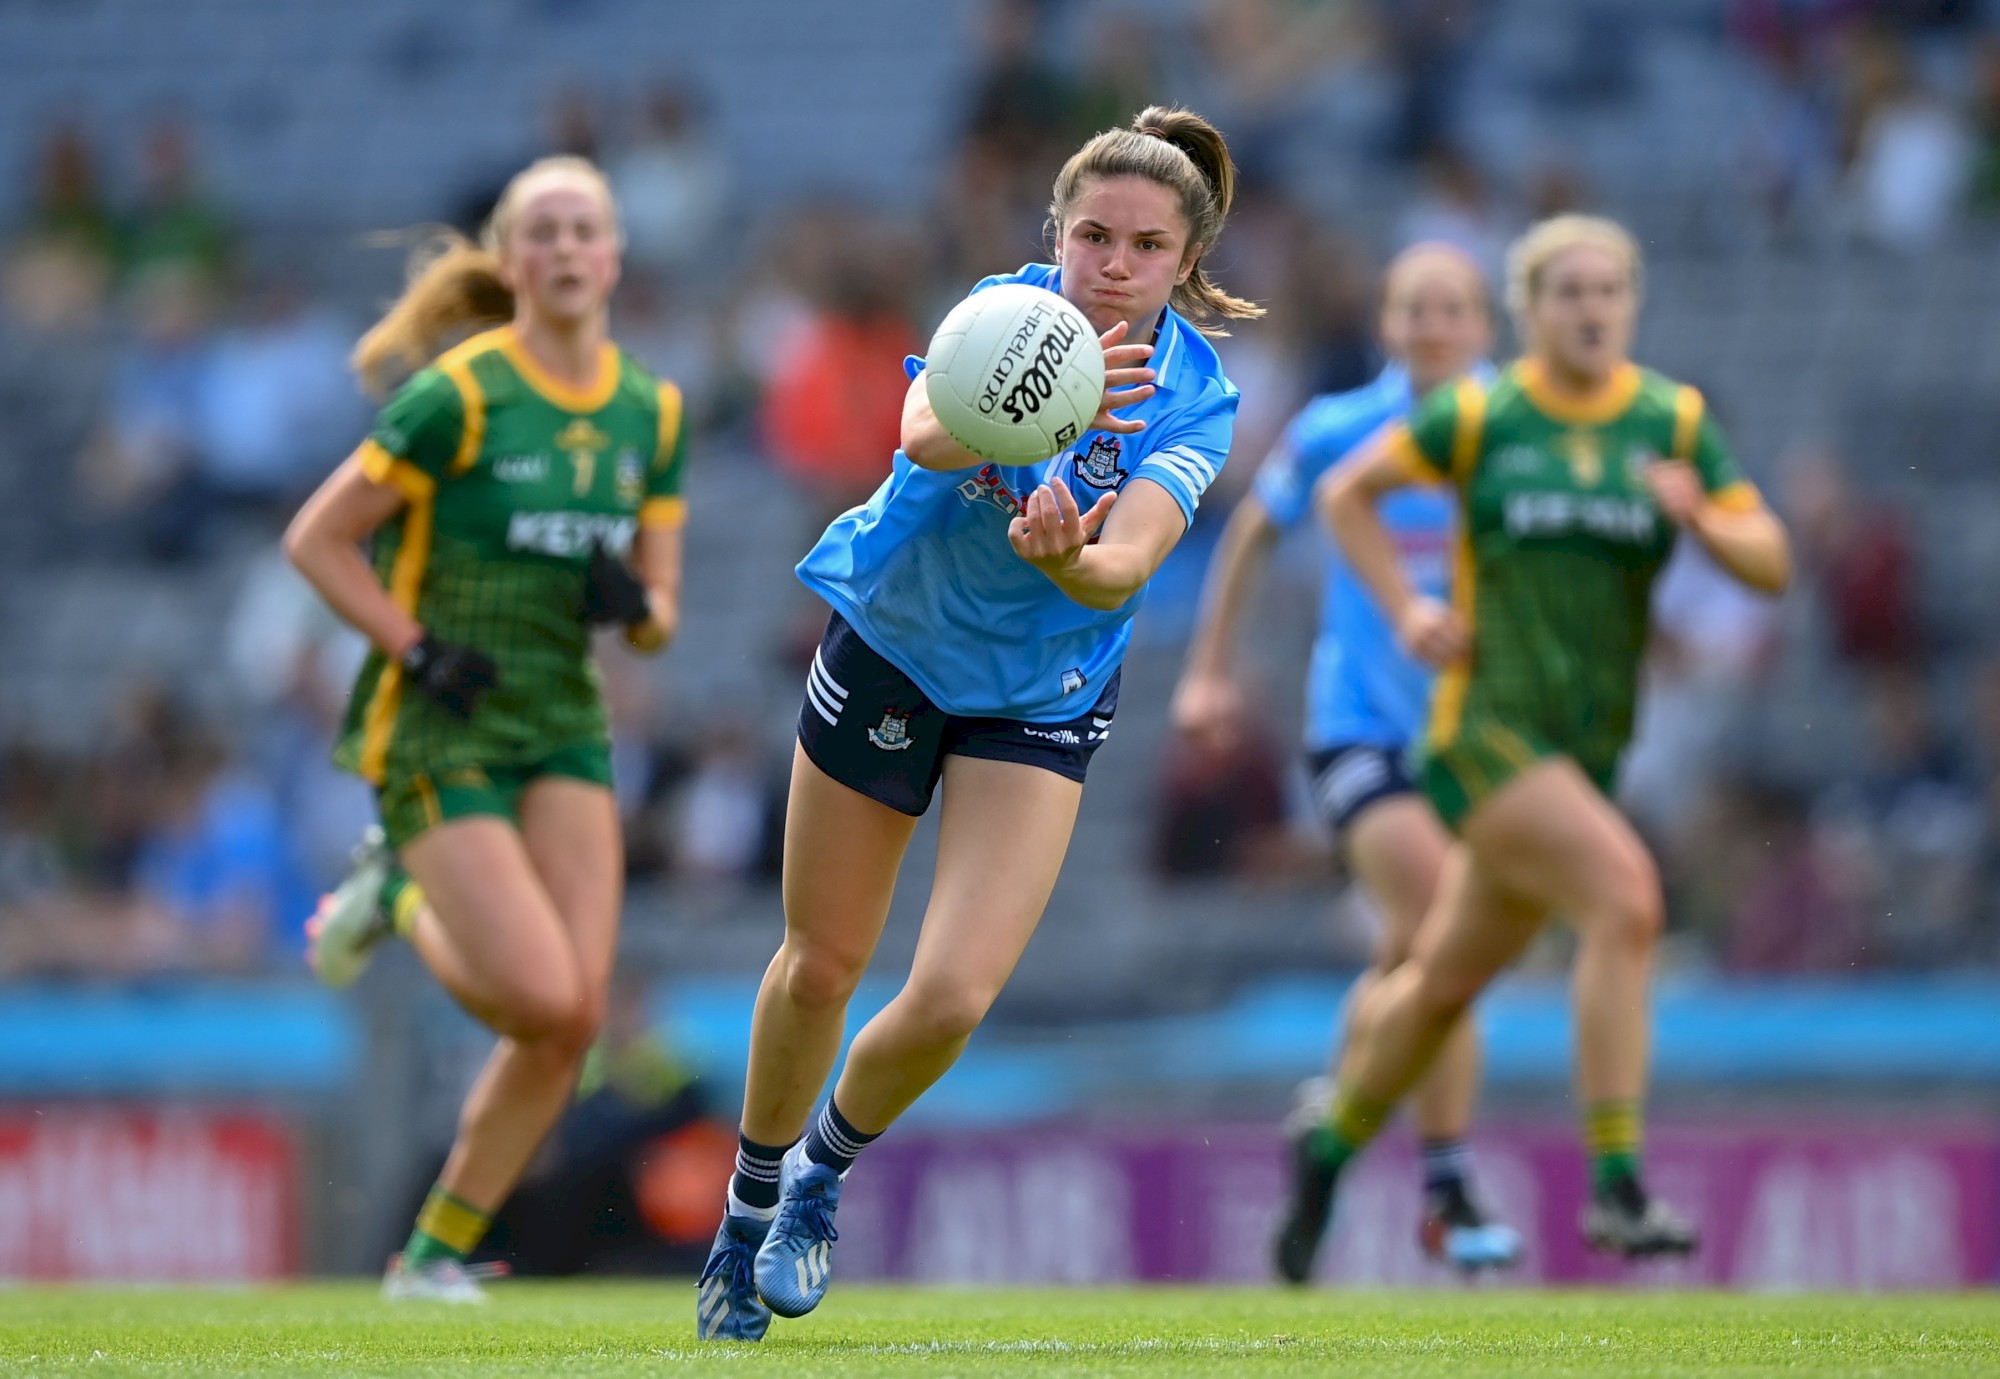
column 1530, row 255
column 454, row 284
column 1187, row 155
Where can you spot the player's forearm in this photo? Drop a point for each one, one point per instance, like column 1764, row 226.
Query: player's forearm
column 1350, row 514
column 1239, row 560
column 925, row 441
column 657, row 555
column 343, row 577
column 1105, row 576
column 663, row 620
column 1752, row 546
column 653, row 636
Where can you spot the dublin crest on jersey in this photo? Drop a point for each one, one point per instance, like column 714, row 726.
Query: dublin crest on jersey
column 1098, row 466
column 893, row 733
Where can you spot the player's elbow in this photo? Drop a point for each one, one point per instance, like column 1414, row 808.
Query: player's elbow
column 1107, row 599
column 1772, row 577
column 1779, row 572
column 1766, row 566
column 298, row 540
column 927, row 445
column 1340, row 497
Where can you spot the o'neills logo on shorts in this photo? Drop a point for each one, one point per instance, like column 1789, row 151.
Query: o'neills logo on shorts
column 1038, row 366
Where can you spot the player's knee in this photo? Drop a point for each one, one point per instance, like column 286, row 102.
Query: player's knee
column 1443, row 994
column 1392, row 950
column 1634, row 909
column 944, row 1012
column 817, row 977
column 555, row 1014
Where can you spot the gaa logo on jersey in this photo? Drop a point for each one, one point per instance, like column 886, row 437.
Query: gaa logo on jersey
column 631, row 477
column 1098, row 466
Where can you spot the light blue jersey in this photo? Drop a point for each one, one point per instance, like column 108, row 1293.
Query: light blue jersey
column 925, row 574
column 1363, row 688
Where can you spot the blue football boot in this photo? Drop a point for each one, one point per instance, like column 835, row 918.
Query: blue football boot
column 1458, row 1234
column 727, row 1307
column 796, row 1259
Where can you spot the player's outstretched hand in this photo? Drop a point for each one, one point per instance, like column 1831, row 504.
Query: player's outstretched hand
column 454, row 677
column 1126, row 380
column 1049, row 532
column 1433, row 633
column 612, row 593
column 1676, row 488
column 1208, row 709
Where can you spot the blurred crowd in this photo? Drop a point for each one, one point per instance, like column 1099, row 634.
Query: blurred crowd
column 174, row 842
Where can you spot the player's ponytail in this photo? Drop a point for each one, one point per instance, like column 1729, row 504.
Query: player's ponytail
column 454, row 289
column 1186, row 154
column 455, row 286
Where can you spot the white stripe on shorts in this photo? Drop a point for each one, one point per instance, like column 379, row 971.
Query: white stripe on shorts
column 1348, row 779
column 817, row 698
column 827, row 682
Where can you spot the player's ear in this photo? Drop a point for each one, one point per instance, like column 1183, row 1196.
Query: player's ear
column 1189, row 262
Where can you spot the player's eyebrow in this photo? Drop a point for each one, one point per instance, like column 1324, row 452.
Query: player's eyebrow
column 1086, row 221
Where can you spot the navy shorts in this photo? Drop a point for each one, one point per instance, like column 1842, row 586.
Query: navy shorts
column 1353, row 776
column 867, row 725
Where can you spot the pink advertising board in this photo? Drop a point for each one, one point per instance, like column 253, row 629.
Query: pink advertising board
column 1822, row 1206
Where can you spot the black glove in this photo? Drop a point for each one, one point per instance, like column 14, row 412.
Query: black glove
column 612, row 593
column 453, row 676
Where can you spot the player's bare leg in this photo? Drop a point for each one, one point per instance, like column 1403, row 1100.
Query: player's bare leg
column 520, row 927
column 985, row 905
column 1398, row 849
column 842, row 852
column 1559, row 839
column 1397, row 1032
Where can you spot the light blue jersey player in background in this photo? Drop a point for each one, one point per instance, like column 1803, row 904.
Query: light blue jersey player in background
column 1366, row 701
column 980, row 616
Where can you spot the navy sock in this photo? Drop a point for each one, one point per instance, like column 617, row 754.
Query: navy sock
column 833, row 1142
column 756, row 1182
column 1447, row 1164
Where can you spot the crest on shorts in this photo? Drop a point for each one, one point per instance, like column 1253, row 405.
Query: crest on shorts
column 1073, row 680
column 892, row 734
column 1098, row 466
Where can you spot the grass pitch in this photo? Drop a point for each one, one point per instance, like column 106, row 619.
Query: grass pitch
column 594, row 1329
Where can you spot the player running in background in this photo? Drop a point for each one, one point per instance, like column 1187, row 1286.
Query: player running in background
column 1575, row 472
column 979, row 622
column 1366, row 698
column 504, row 487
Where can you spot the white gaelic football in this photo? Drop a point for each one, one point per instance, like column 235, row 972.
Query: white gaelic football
column 1015, row 374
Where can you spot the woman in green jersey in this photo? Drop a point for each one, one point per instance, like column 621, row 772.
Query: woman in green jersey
column 505, row 488
column 1576, row 471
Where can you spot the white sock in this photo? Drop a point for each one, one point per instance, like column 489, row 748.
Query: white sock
column 736, row 1206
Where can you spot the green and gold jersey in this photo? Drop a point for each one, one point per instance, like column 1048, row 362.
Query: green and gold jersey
column 1559, row 546
column 510, row 478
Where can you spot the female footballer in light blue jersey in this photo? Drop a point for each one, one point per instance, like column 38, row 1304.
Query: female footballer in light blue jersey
column 1366, row 700
column 980, row 613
